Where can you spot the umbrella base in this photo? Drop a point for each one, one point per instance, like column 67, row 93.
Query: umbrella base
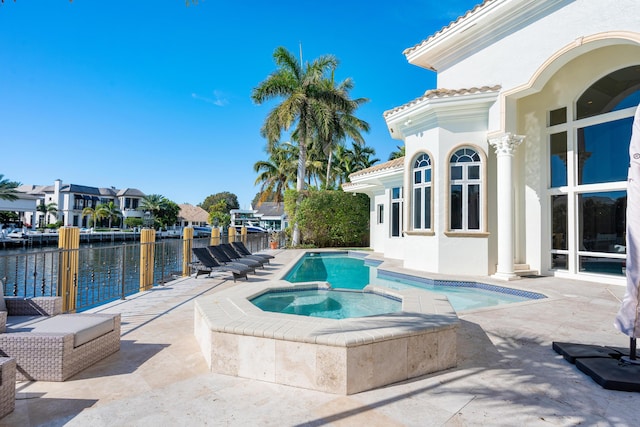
column 605, row 365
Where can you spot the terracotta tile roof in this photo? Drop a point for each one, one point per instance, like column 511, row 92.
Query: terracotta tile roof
column 443, row 93
column 193, row 213
column 391, row 164
column 409, row 50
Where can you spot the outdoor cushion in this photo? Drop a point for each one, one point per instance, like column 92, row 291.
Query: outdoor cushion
column 85, row 327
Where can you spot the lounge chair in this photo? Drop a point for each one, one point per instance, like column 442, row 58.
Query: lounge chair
column 235, row 255
column 207, row 264
column 49, row 346
column 222, row 258
column 241, row 248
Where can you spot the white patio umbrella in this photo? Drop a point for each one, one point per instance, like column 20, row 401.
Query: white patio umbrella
column 628, row 318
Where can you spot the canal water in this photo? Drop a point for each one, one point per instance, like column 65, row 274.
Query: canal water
column 107, row 271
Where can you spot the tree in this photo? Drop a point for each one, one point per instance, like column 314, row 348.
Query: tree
column 397, row 154
column 230, row 199
column 353, row 160
column 305, row 103
column 277, row 173
column 152, row 203
column 108, row 211
column 8, row 189
column 46, row 210
column 91, row 212
column 341, row 124
column 168, row 215
column 219, row 214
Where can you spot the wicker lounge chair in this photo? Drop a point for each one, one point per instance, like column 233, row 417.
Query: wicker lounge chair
column 49, row 346
column 222, row 257
column 242, row 249
column 207, row 264
column 235, row 255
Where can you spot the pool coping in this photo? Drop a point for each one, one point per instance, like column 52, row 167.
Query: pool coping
column 231, row 311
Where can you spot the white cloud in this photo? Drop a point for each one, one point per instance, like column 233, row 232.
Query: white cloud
column 217, row 99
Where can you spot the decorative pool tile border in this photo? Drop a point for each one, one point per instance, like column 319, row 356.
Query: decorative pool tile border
column 383, row 274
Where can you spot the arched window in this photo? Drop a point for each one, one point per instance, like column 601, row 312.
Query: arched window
column 422, row 192
column 465, row 190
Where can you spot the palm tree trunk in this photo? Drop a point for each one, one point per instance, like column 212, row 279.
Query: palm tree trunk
column 326, row 186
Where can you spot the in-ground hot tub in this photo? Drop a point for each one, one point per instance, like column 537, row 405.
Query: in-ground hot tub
column 342, row 356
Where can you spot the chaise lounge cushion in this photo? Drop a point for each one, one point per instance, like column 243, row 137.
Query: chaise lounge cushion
column 85, row 327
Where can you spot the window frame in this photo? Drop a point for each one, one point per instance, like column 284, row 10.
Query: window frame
column 422, row 186
column 481, row 181
column 400, row 201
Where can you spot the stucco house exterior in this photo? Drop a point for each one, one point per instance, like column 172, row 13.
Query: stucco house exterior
column 71, row 199
column 517, row 162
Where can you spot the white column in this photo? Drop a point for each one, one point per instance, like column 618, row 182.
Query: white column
column 505, row 146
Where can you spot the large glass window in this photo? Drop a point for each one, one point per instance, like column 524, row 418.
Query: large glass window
column 465, row 190
column 422, row 192
column 396, row 211
column 603, row 151
column 602, row 219
column 558, row 152
column 588, row 169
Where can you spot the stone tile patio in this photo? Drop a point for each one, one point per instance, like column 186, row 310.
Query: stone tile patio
column 507, row 373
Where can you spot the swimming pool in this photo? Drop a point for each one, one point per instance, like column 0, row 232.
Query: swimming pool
column 328, row 304
column 346, row 271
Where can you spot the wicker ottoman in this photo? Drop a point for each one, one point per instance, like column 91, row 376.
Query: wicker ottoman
column 59, row 347
column 7, row 385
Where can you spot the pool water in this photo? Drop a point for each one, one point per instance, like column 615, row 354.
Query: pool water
column 347, row 272
column 329, row 304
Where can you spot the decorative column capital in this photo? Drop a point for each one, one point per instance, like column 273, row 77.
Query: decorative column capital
column 506, row 143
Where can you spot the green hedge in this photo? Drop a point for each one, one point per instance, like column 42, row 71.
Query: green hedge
column 330, row 218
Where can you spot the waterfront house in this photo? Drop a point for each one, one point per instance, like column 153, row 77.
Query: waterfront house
column 71, row 199
column 192, row 216
column 516, row 164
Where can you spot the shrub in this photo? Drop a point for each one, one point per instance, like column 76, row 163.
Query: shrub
column 330, row 218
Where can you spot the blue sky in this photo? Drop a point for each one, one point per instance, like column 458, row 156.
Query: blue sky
column 155, row 95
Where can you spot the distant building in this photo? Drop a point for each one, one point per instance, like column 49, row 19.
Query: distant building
column 192, row 216
column 71, row 199
column 268, row 215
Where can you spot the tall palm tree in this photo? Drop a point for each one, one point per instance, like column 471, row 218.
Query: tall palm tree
column 277, row 173
column 109, row 211
column 8, row 189
column 341, row 124
column 154, row 204
column 304, row 99
column 91, row 212
column 48, row 209
column 353, row 160
column 397, row 154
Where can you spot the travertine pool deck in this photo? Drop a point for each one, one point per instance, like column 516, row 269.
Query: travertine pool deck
column 342, row 356
column 507, row 374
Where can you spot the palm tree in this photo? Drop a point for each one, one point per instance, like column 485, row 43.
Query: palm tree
column 277, row 173
column 109, row 211
column 154, row 204
column 46, row 210
column 91, row 212
column 353, row 160
column 8, row 189
column 341, row 124
column 397, row 154
column 305, row 100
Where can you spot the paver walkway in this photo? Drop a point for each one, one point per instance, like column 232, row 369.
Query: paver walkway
column 507, row 374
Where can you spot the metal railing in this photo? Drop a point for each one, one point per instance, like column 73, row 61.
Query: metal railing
column 105, row 272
